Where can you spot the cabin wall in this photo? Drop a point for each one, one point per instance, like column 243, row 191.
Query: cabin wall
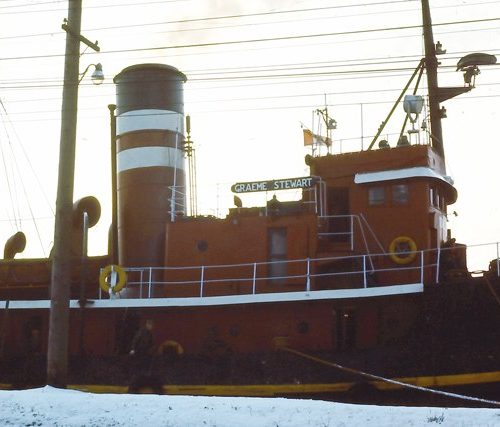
column 29, row 279
column 241, row 239
column 391, row 219
column 334, row 167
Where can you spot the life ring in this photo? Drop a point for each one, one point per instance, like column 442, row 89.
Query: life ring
column 171, row 345
column 403, row 250
column 103, row 278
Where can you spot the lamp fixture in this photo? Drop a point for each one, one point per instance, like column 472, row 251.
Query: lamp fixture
column 97, row 76
column 439, row 49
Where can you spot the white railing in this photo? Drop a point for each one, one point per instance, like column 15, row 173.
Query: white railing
column 307, row 275
column 336, row 228
column 253, row 278
column 334, row 223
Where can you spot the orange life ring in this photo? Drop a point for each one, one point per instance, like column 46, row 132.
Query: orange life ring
column 403, row 250
column 171, row 344
column 105, row 273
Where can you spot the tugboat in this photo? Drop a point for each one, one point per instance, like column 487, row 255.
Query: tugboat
column 355, row 291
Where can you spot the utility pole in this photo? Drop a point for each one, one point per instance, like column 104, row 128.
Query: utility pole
column 431, row 65
column 57, row 355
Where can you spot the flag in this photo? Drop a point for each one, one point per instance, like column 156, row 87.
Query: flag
column 313, row 139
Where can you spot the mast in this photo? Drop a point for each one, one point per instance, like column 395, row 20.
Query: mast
column 431, row 65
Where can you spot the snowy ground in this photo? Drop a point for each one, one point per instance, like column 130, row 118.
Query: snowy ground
column 54, row 407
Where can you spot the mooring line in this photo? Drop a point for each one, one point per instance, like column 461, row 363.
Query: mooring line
column 388, row 380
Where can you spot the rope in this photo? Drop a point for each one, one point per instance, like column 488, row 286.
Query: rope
column 387, row 380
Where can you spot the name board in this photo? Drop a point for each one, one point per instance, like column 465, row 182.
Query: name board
column 274, row 185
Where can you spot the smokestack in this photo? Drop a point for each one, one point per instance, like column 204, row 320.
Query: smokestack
column 150, row 160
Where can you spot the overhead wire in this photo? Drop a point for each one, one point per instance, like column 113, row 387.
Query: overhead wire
column 19, row 175
column 87, row 7
column 211, row 18
column 200, row 80
column 205, row 78
column 260, row 23
column 345, row 74
column 263, row 39
column 8, row 176
column 203, row 19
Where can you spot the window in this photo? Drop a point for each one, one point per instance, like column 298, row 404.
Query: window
column 436, row 199
column 376, row 196
column 400, row 194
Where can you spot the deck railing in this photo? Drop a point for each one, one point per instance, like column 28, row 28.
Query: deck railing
column 305, row 275
column 302, row 275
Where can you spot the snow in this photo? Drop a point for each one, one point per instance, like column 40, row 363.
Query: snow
column 57, row 407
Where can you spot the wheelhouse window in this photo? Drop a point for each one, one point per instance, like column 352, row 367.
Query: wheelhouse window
column 376, row 196
column 400, row 194
column 436, row 198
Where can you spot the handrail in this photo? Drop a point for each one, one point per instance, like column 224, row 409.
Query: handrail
column 177, row 201
column 303, row 273
column 364, row 271
column 351, row 232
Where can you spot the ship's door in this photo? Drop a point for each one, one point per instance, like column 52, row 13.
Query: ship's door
column 344, row 333
column 346, row 329
column 277, row 253
column 339, row 223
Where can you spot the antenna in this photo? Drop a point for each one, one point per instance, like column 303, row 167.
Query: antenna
column 330, row 124
column 191, row 156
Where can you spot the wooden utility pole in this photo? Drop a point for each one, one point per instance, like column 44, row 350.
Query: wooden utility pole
column 57, row 356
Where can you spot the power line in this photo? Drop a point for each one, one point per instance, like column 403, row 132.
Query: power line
column 266, row 39
column 213, row 18
column 271, row 13
column 342, row 74
column 86, row 7
column 243, row 15
column 265, row 98
column 225, row 72
column 142, row 25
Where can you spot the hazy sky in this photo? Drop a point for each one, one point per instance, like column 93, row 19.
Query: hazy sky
column 256, row 71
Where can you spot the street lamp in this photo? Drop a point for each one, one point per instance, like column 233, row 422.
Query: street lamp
column 97, row 76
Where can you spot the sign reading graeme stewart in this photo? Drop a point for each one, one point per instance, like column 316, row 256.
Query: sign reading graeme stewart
column 274, row 185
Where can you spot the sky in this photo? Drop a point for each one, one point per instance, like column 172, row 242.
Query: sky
column 256, row 73
column 55, row 407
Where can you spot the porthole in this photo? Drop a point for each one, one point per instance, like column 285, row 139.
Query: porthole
column 303, row 328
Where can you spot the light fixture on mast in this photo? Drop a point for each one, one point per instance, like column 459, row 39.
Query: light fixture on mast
column 439, row 49
column 413, row 105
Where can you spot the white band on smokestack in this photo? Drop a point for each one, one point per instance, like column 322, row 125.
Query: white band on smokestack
column 146, row 157
column 149, row 119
